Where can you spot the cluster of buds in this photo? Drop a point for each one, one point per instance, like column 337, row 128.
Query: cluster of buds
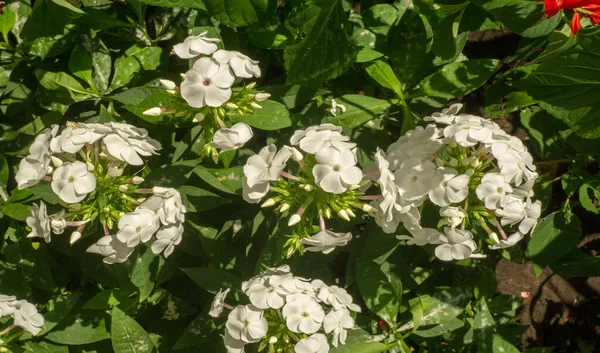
column 473, row 171
column 89, row 178
column 287, row 314
column 326, row 183
column 206, row 93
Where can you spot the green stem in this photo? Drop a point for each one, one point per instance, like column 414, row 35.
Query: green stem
column 555, row 161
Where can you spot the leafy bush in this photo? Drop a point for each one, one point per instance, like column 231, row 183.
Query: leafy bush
column 290, row 176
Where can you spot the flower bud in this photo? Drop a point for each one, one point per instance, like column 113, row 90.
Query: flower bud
column 90, row 166
column 231, row 106
column 355, row 187
column 327, row 213
column 475, row 163
column 114, row 172
column 297, row 155
column 156, row 111
column 50, row 170
column 262, row 96
column 251, row 85
column 159, row 190
column 182, row 76
column 295, row 219
column 255, row 105
column 368, row 208
column 344, row 215
column 74, row 237
column 494, row 237
column 137, row 180
column 465, row 161
column 439, row 162
column 168, row 84
column 198, row 118
column 272, row 340
column 123, row 188
column 269, row 203
column 284, row 207
column 469, row 172
column 141, row 199
column 215, row 157
column 56, row 161
column 308, row 187
column 350, row 213
column 453, row 162
column 453, row 144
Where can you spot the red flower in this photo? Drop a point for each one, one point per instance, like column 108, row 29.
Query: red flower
column 575, row 23
column 587, row 8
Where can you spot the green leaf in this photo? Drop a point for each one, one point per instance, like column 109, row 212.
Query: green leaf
column 368, row 347
column 379, row 18
column 458, row 78
column 16, row 211
column 381, row 72
column 7, row 21
column 324, row 50
column 80, row 64
column 589, row 203
column 139, row 99
column 293, row 96
column 100, row 60
column 442, row 308
column 82, row 327
column 272, row 116
column 359, row 110
column 560, row 42
column 146, row 267
column 127, row 66
column 237, row 13
column 525, row 17
column 367, row 54
column 59, row 308
column 55, row 80
column 227, row 180
column 440, row 329
column 199, row 200
column 577, row 264
column 499, row 344
column 569, row 93
column 4, row 170
column 192, row 4
column 49, row 19
column 201, row 329
column 543, row 130
column 212, row 279
column 45, row 347
column 553, row 238
column 377, row 291
column 483, row 326
column 127, row 335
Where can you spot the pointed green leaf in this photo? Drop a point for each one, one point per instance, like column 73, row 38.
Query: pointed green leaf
column 127, row 335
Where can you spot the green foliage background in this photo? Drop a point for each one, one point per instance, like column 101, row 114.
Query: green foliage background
column 390, row 64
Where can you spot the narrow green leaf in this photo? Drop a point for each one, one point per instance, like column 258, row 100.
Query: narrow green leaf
column 553, row 237
column 127, row 336
column 81, row 327
column 59, row 308
column 272, row 116
column 381, row 72
column 146, row 267
column 359, row 110
column 55, row 80
column 212, row 279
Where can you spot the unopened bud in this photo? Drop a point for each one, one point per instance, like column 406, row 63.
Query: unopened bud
column 49, row 170
column 272, row 340
column 74, row 237
column 439, row 162
column 308, row 187
column 123, row 188
column 269, row 203
column 231, row 106
column 328, row 213
column 114, row 172
column 251, row 85
column 141, row 199
column 453, row 162
column 355, row 187
column 159, row 190
column 221, row 112
column 297, row 155
column 453, row 144
column 284, row 207
column 255, row 105
column 465, row 161
column 156, row 111
column 262, row 96
column 182, row 76
column 90, row 166
column 295, row 219
column 469, row 172
column 198, row 118
column 168, row 84
column 215, row 157
column 350, row 213
column 56, row 161
column 494, row 237
column 475, row 162
column 137, row 180
column 368, row 208
column 344, row 215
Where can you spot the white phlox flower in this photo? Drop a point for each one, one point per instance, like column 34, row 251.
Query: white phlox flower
column 40, row 148
column 510, row 241
column 167, row 205
column 137, row 226
column 323, row 137
column 335, row 106
column 194, row 46
column 265, row 295
column 506, row 143
column 468, row 130
column 58, row 223
column 241, row 65
column 39, row 222
column 336, row 170
column 112, row 249
column 513, row 212
column 453, row 216
column 216, row 308
column 7, row 304
column 325, row 241
column 72, row 182
column 232, row 345
column 303, row 315
column 447, row 116
column 420, row 143
column 27, row 317
column 30, row 172
column 73, row 138
column 452, row 188
column 337, row 322
column 415, row 178
column 255, row 193
column 167, row 238
column 516, row 167
column 493, row 191
column 246, row 324
column 421, row 236
column 127, row 143
column 316, row 343
column 208, row 83
column 266, row 165
column 227, row 139
column 335, row 296
column 300, row 134
column 455, row 245
column 533, row 210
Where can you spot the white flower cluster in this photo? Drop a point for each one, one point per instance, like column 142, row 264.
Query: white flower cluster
column 24, row 314
column 330, row 165
column 73, row 180
column 467, row 166
column 161, row 215
column 304, row 308
column 209, row 81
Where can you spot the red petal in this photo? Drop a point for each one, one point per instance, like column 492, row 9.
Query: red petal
column 575, row 23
